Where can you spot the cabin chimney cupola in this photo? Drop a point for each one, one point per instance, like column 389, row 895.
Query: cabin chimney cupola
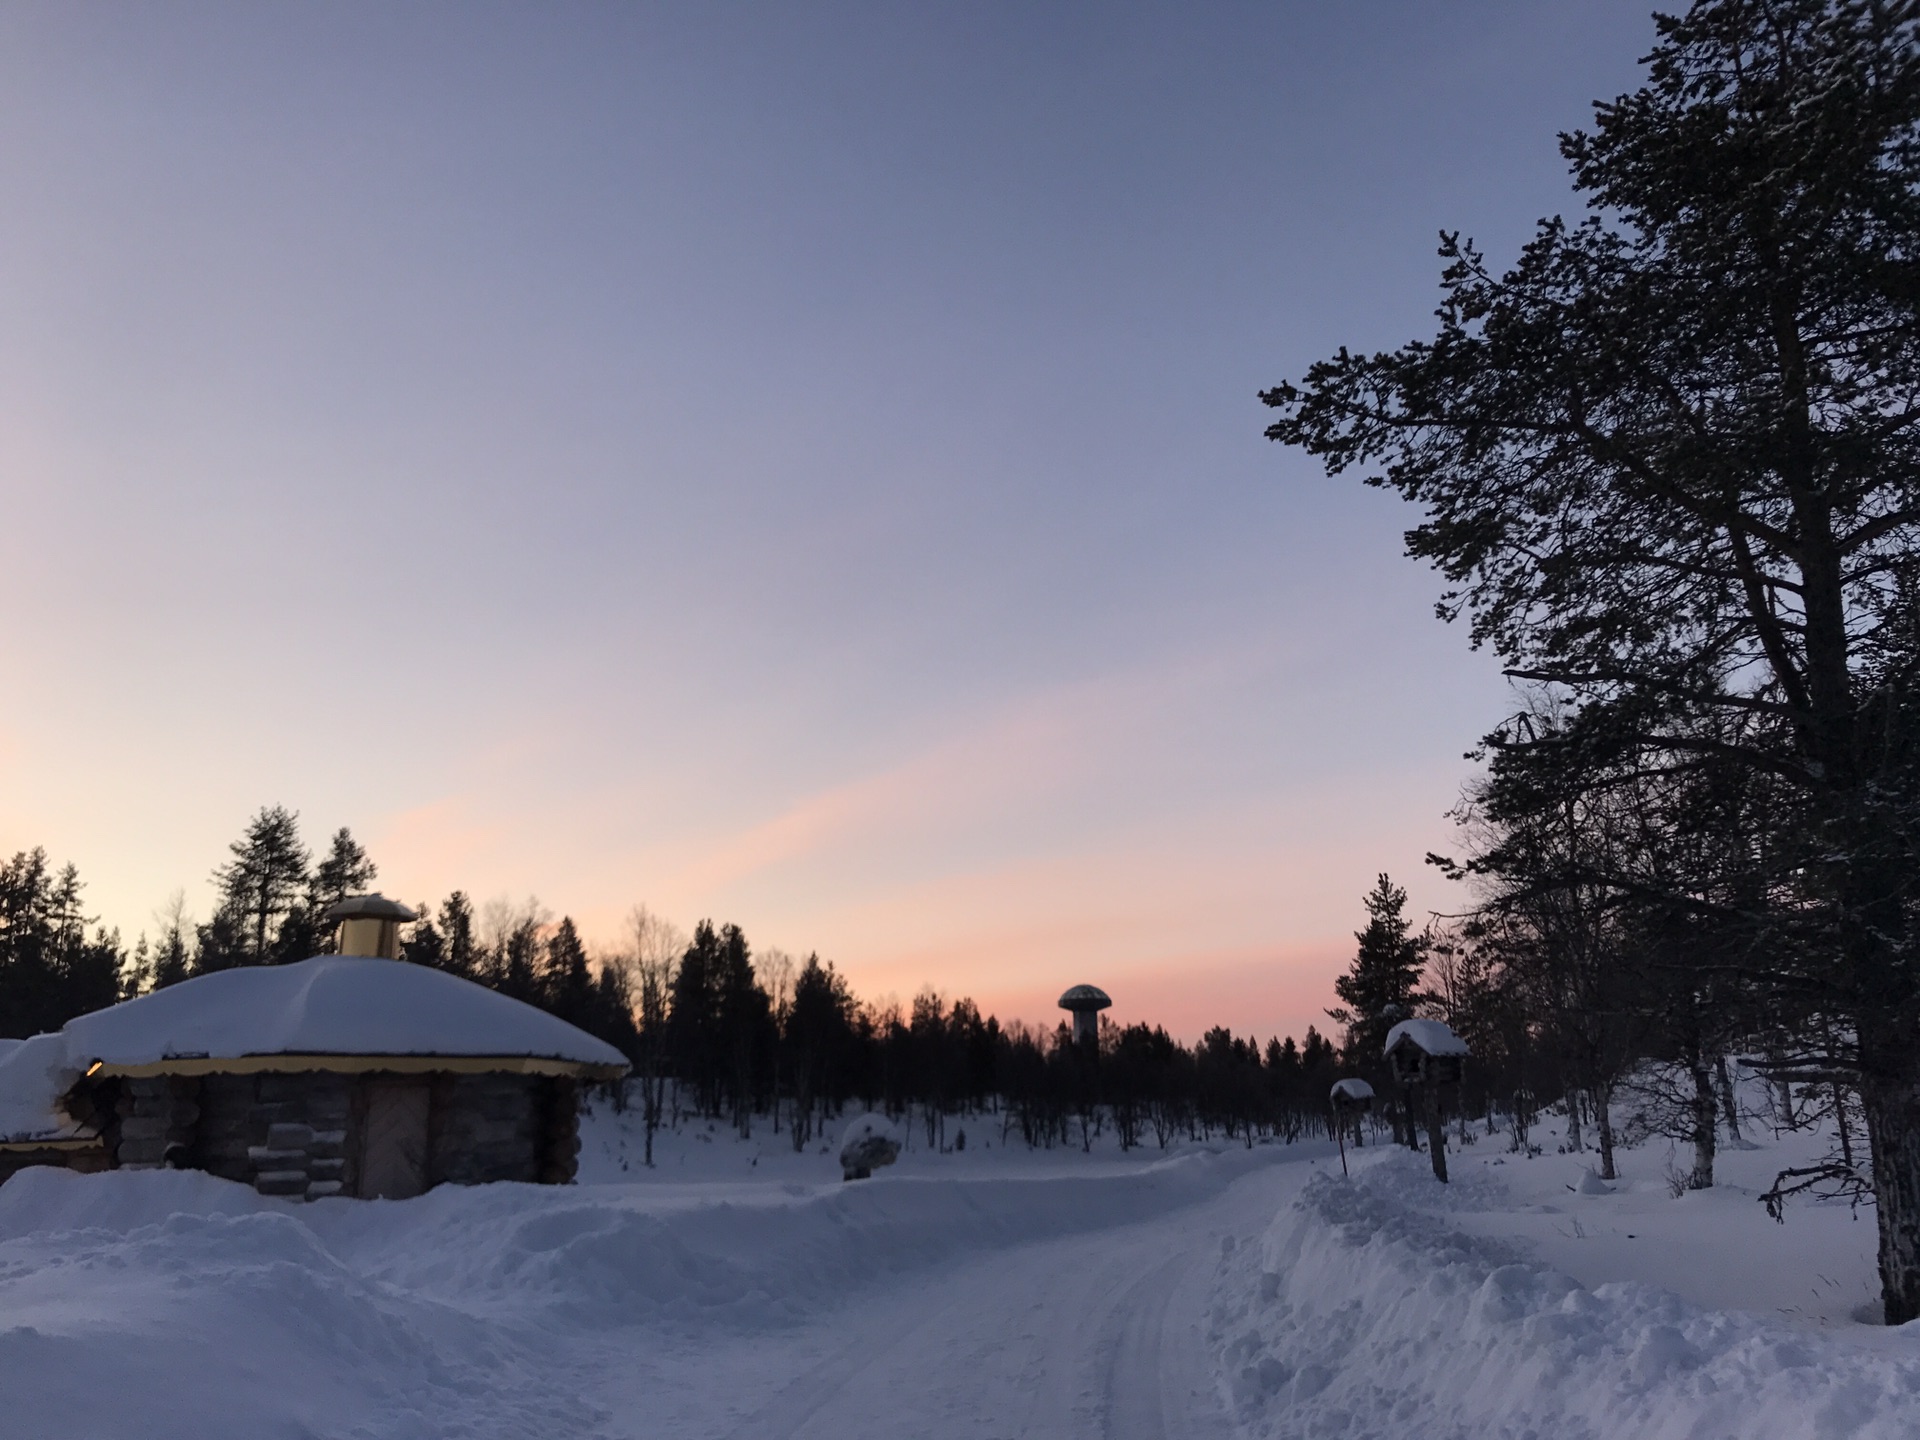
column 369, row 925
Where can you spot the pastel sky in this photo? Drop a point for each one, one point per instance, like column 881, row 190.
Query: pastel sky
column 798, row 464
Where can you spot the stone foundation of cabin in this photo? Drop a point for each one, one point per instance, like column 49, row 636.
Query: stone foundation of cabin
column 311, row 1134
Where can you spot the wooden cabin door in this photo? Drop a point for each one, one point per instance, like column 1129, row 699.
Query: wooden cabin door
column 393, row 1157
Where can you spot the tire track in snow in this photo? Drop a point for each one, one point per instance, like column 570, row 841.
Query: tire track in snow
column 1096, row 1337
column 1159, row 1367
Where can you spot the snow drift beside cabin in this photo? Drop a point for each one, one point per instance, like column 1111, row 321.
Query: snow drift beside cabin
column 34, row 1074
column 329, row 1005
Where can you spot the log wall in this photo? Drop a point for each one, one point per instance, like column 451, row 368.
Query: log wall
column 282, row 1134
column 483, row 1128
column 298, row 1134
column 151, row 1122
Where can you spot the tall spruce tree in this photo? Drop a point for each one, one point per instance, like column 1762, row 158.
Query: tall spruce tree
column 566, row 979
column 1670, row 464
column 259, row 887
column 456, row 929
column 344, row 870
column 1383, row 982
column 693, row 1017
column 745, row 1021
column 446, row 940
column 819, row 1035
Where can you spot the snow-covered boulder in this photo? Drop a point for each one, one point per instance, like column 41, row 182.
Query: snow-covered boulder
column 869, row 1142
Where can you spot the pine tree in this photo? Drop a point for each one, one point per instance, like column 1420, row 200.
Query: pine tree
column 693, row 1017
column 1668, row 464
column 745, row 1022
column 422, row 943
column 819, row 1035
column 462, row 954
column 344, row 871
column 1382, row 985
column 259, row 887
column 516, row 968
column 566, row 980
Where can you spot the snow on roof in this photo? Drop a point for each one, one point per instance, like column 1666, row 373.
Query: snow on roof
column 1351, row 1088
column 869, row 1126
column 34, row 1074
column 1435, row 1037
column 375, row 906
column 329, row 1005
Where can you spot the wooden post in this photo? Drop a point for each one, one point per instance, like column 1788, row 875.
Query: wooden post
column 1436, row 1131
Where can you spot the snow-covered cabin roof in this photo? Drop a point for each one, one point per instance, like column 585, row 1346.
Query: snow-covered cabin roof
column 332, row 1009
column 1352, row 1088
column 1435, row 1037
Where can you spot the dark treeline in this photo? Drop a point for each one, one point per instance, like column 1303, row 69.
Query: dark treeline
column 717, row 1033
column 713, row 1030
column 49, row 970
column 271, row 897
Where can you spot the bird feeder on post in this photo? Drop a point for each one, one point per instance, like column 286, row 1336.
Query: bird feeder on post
column 1351, row 1098
column 1426, row 1055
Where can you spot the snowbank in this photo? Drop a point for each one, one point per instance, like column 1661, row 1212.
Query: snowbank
column 329, row 1005
column 466, row 1311
column 1366, row 1314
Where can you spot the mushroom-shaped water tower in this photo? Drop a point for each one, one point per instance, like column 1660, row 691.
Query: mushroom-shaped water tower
column 1086, row 1002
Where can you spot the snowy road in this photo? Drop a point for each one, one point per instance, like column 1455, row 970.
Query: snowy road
column 1013, row 1294
column 1098, row 1334
column 1059, row 1296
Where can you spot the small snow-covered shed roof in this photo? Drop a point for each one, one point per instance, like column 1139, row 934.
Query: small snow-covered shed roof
column 333, row 1012
column 1435, row 1037
column 1352, row 1090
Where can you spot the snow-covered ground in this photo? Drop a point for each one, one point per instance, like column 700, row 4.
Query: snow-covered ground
column 1527, row 1299
column 740, row 1289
